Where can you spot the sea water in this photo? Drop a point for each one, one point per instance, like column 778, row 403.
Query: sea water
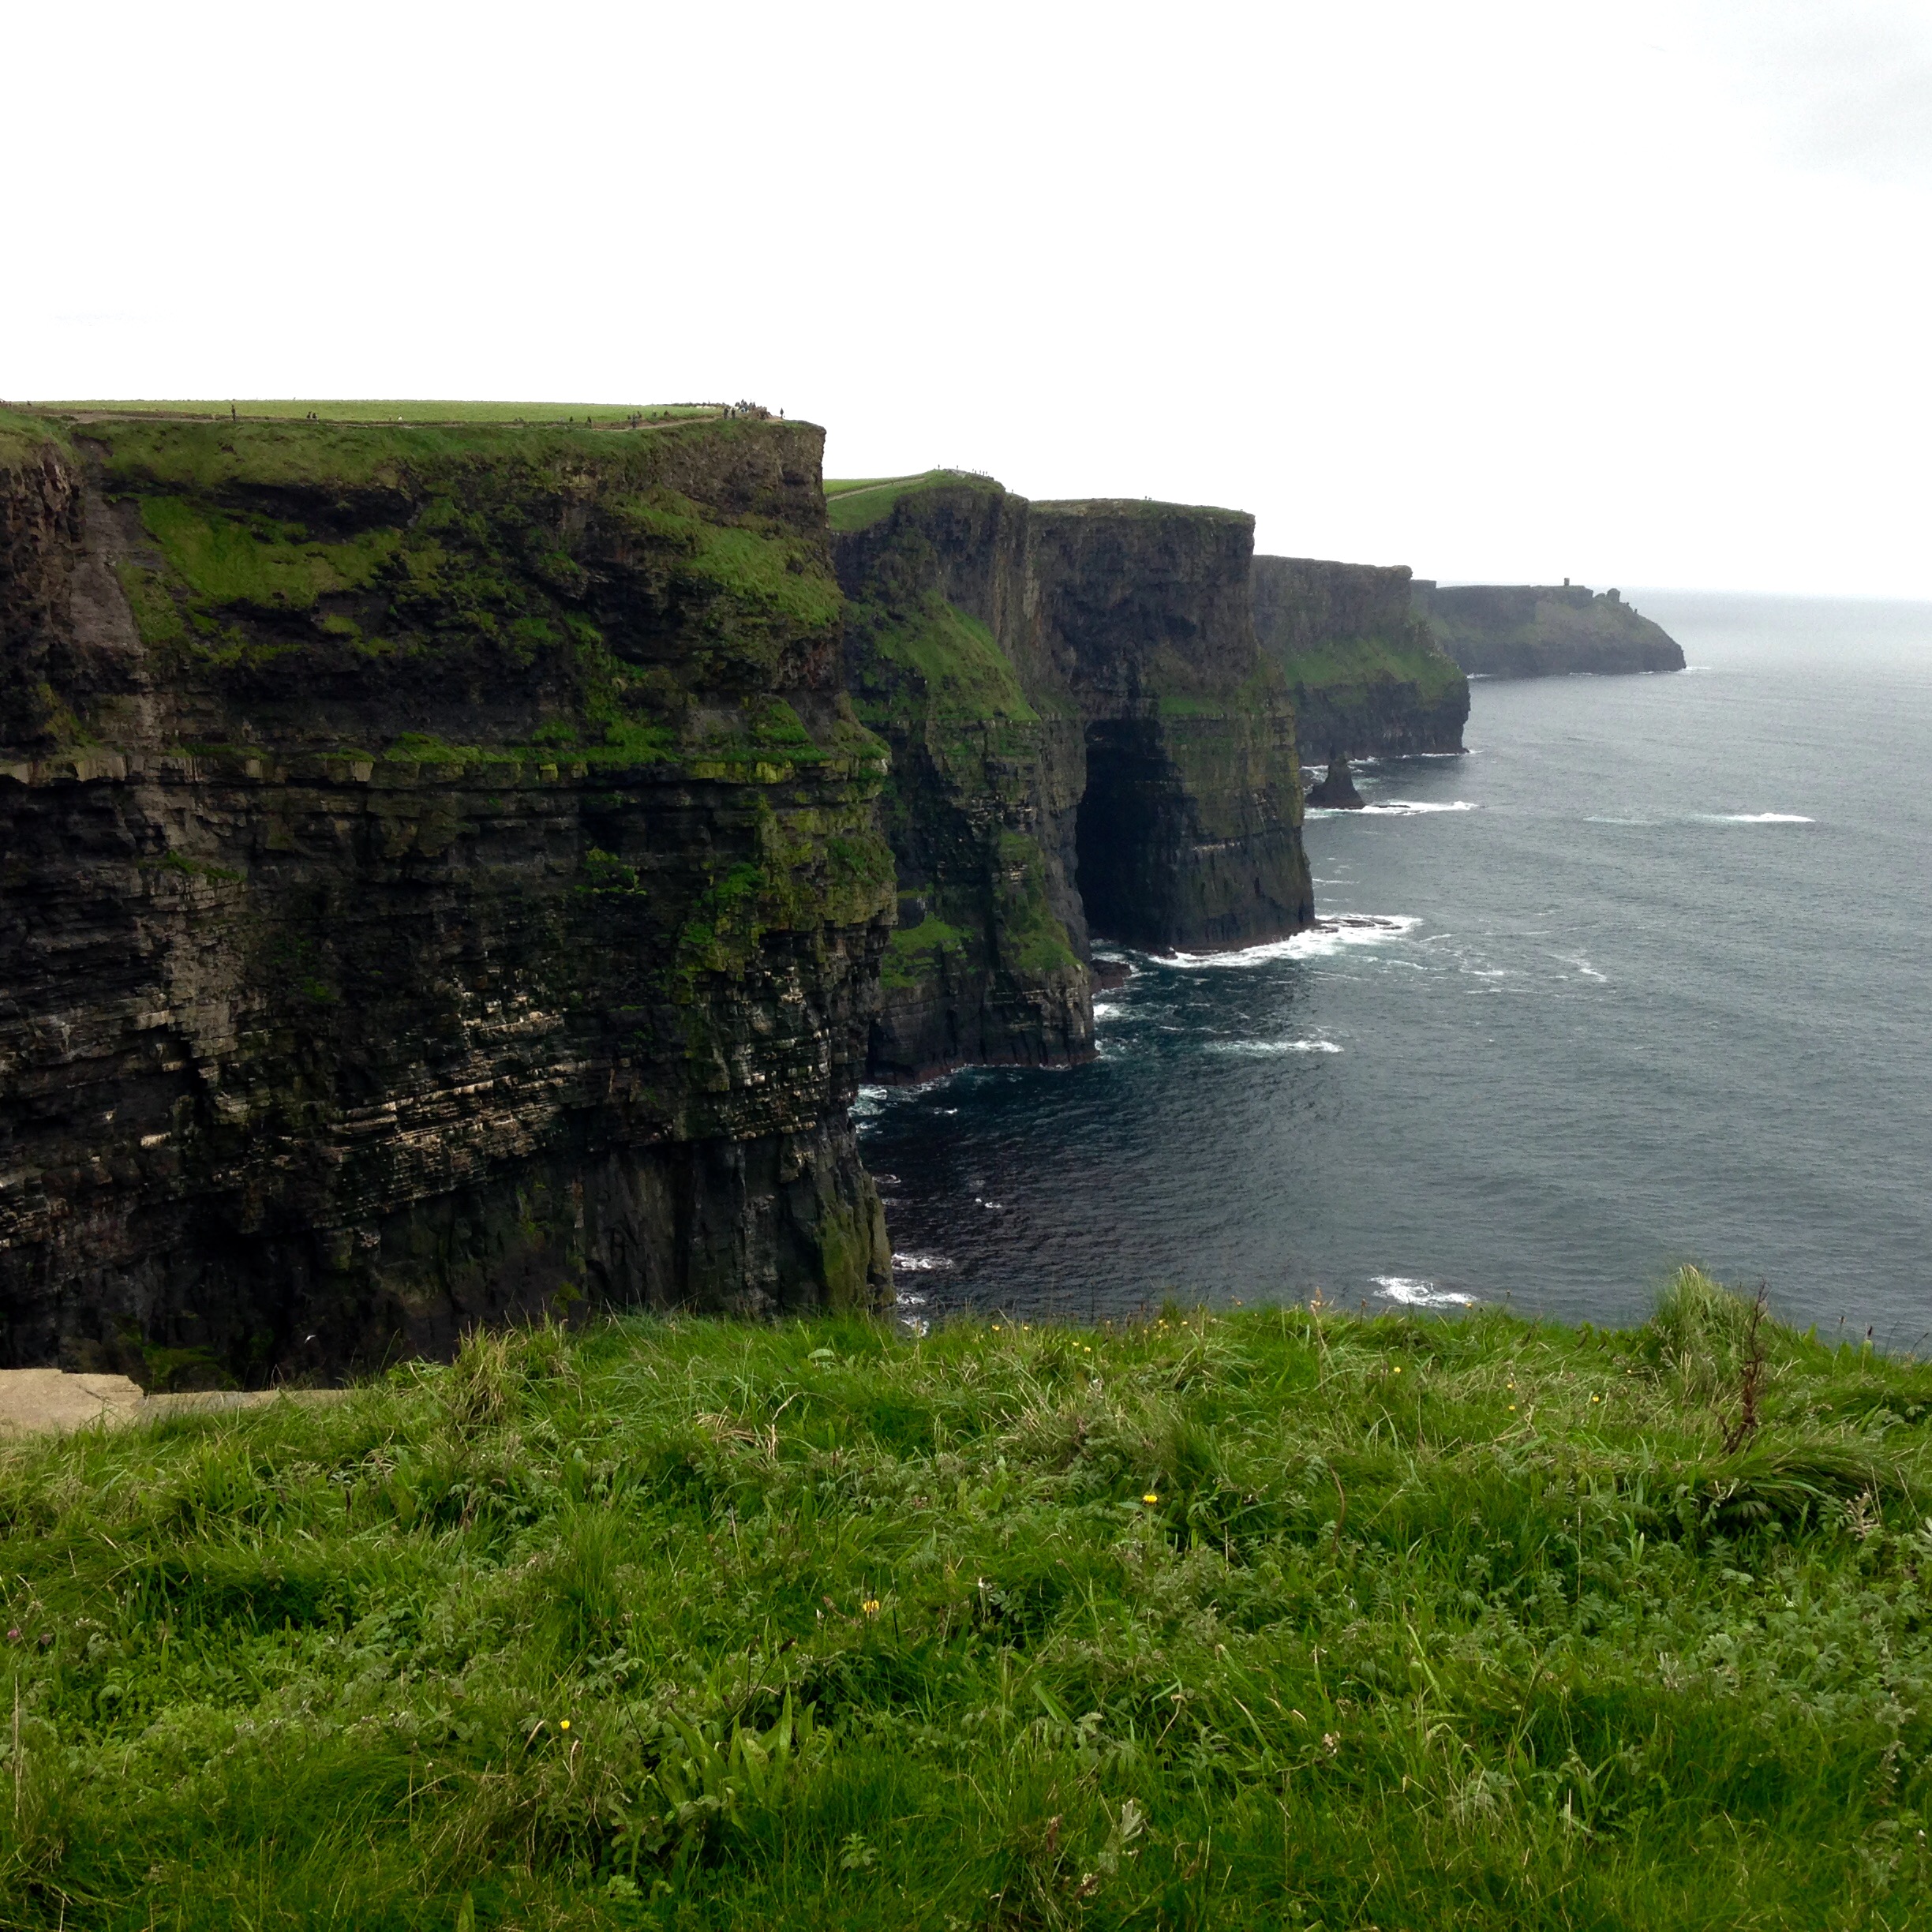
column 1645, row 976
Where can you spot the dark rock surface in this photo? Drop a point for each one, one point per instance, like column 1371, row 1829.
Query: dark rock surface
column 1086, row 740
column 442, row 879
column 1516, row 630
column 1336, row 791
column 1366, row 675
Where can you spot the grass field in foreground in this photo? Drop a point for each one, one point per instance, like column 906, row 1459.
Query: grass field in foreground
column 1270, row 1619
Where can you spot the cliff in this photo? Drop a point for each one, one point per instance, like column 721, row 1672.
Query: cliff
column 1544, row 630
column 1366, row 675
column 1086, row 741
column 442, row 879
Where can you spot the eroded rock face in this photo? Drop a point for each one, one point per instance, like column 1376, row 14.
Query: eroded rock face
column 1367, row 677
column 1086, row 741
column 443, row 879
column 1544, row 630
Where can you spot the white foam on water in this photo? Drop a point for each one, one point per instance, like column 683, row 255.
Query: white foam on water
column 1412, row 1292
column 1324, row 938
column 1106, row 1009
column 1258, row 1047
column 994, row 1207
column 921, row 1264
column 1412, row 808
column 1581, row 966
column 1757, row 819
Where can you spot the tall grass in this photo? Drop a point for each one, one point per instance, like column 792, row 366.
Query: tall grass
column 1274, row 1619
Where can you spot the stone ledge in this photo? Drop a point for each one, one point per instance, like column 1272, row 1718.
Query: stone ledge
column 50, row 1402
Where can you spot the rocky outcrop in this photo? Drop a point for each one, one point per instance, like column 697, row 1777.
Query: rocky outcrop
column 1336, row 790
column 1087, row 741
column 1514, row 631
column 443, row 879
column 1366, row 675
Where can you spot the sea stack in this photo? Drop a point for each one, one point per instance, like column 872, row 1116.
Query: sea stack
column 1337, row 792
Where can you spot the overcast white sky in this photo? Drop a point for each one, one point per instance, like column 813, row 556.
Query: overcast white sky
column 1634, row 293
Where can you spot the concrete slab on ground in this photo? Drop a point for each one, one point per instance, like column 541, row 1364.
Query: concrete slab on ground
column 50, row 1402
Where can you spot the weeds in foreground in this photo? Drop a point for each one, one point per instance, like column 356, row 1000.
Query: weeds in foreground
column 1280, row 1618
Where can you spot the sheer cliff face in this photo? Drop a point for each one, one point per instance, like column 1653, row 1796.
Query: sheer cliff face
column 443, row 879
column 1544, row 630
column 987, row 965
column 1190, row 827
column 1085, row 738
column 1367, row 677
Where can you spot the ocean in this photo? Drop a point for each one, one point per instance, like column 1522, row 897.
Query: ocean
column 1644, row 977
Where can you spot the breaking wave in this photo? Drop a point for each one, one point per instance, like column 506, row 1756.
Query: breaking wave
column 1412, row 1292
column 1323, row 938
column 1258, row 1047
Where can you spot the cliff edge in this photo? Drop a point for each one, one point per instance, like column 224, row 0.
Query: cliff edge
column 1515, row 631
column 1366, row 675
column 442, row 879
column 1086, row 741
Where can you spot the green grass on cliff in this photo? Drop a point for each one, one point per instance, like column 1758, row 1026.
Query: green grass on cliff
column 435, row 539
column 856, row 503
column 937, row 663
column 915, row 955
column 1366, row 662
column 1274, row 1620
column 605, row 414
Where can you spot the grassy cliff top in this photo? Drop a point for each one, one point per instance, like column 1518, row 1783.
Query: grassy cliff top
column 607, row 414
column 1281, row 1618
column 1147, row 507
column 857, row 503
column 334, row 583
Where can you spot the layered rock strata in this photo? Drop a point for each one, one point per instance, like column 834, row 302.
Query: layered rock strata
column 1087, row 741
column 1365, row 673
column 1516, row 630
column 442, row 879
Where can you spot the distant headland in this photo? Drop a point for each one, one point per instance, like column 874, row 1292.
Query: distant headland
column 1516, row 630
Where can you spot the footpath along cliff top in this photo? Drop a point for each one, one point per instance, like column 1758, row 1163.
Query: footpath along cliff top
column 597, row 415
